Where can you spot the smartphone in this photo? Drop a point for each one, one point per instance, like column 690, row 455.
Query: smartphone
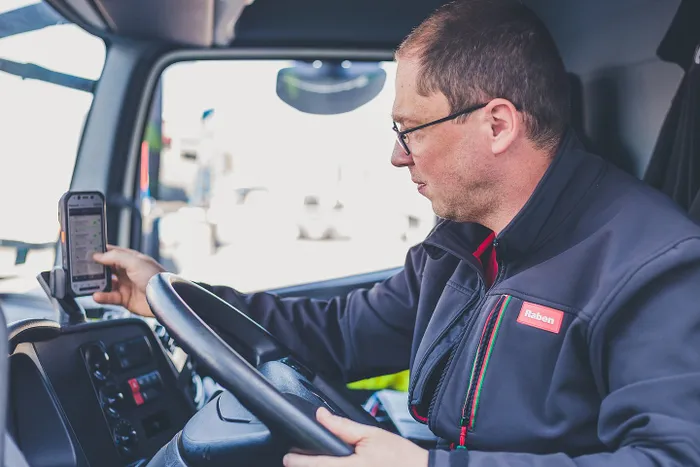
column 83, row 233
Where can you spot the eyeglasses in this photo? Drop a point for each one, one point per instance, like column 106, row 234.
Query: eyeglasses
column 401, row 134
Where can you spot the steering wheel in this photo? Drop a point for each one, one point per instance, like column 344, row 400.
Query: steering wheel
column 278, row 390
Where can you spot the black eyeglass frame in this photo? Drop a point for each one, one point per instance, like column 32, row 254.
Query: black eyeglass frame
column 401, row 134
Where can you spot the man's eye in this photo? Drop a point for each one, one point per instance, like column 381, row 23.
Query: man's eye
column 416, row 135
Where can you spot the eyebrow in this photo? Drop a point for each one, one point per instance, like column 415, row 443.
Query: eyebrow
column 398, row 118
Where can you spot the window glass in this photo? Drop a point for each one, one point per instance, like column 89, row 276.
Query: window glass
column 41, row 124
column 254, row 193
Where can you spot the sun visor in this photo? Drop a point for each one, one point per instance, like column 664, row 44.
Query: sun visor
column 203, row 23
column 331, row 24
column 319, row 24
column 227, row 13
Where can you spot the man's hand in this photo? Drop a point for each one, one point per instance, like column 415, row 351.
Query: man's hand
column 131, row 272
column 373, row 447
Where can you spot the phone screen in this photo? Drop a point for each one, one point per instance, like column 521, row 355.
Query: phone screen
column 85, row 238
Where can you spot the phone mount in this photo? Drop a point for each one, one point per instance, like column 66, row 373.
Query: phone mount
column 55, row 285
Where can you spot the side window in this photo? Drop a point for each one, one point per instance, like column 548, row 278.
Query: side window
column 257, row 187
column 48, row 68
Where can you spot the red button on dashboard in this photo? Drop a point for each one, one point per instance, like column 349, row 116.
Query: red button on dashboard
column 134, row 385
column 136, row 391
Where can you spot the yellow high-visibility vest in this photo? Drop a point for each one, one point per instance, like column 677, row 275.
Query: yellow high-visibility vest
column 397, row 381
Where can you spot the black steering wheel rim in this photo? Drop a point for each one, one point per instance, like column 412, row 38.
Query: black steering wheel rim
column 233, row 372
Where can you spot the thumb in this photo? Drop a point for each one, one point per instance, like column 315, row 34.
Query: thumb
column 344, row 428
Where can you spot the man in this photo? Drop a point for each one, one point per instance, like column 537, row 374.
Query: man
column 550, row 318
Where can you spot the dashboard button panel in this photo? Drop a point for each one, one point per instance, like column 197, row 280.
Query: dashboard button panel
column 126, row 385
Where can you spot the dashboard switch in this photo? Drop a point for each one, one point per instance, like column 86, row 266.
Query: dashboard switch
column 136, row 391
column 132, row 353
column 111, row 395
column 138, row 398
column 125, row 436
column 150, row 394
column 98, row 361
column 149, row 380
column 134, row 385
column 112, row 412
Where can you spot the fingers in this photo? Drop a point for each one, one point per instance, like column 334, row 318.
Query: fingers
column 113, row 297
column 298, row 460
column 108, row 298
column 117, row 257
column 344, row 428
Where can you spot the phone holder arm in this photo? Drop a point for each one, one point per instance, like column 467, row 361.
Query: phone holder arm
column 55, row 286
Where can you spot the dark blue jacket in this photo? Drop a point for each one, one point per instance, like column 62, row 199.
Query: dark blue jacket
column 585, row 351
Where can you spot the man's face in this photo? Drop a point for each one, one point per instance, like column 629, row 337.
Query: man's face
column 449, row 161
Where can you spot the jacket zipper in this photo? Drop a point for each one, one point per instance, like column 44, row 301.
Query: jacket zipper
column 466, row 329
column 443, row 332
column 439, row 338
column 481, row 360
column 462, row 333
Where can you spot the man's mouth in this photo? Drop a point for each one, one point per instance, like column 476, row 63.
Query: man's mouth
column 419, row 185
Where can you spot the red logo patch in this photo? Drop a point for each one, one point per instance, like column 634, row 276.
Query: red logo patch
column 541, row 317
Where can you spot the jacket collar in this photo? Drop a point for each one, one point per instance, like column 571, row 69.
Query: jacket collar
column 570, row 175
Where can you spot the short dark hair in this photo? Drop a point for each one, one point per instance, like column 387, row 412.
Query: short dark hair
column 474, row 50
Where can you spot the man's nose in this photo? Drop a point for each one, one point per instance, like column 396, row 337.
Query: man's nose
column 399, row 158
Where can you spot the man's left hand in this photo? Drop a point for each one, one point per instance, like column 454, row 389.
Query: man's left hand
column 373, row 447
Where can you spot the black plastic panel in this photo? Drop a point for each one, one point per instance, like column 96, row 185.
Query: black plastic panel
column 37, row 424
column 82, row 393
column 210, row 441
column 329, row 23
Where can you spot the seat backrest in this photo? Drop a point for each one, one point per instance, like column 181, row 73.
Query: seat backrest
column 578, row 116
column 10, row 454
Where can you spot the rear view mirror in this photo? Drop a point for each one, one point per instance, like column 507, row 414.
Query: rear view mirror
column 330, row 87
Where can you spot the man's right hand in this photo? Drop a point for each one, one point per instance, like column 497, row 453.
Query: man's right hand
column 131, row 272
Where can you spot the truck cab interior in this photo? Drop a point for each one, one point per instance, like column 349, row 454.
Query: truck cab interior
column 247, row 143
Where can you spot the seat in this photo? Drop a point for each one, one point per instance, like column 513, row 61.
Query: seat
column 9, row 451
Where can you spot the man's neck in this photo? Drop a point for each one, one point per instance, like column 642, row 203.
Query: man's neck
column 515, row 189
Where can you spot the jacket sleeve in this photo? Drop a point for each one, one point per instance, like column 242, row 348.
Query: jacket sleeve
column 645, row 354
column 366, row 333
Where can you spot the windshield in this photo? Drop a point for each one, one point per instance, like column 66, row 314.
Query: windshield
column 46, row 68
column 275, row 173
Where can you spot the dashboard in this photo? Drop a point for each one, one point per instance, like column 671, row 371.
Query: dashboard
column 119, row 392
column 106, row 393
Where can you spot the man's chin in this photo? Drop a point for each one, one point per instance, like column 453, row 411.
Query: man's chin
column 442, row 213
column 448, row 214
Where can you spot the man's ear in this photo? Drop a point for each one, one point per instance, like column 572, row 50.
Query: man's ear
column 505, row 124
